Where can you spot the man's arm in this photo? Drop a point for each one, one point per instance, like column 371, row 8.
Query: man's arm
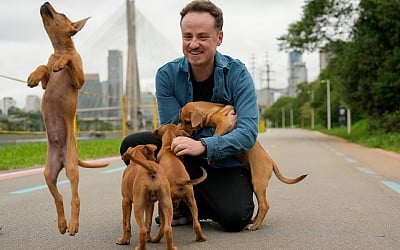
column 243, row 137
column 168, row 105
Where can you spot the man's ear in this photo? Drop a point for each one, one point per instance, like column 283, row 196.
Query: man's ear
column 197, row 118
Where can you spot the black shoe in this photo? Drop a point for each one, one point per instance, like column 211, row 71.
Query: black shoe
column 177, row 220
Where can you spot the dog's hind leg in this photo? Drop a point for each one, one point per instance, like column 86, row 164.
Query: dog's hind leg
column 125, row 239
column 139, row 210
column 71, row 167
column 148, row 218
column 167, row 210
column 191, row 203
column 52, row 169
column 263, row 206
column 160, row 233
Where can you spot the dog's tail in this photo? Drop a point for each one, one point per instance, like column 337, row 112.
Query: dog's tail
column 194, row 181
column 147, row 164
column 284, row 179
column 92, row 165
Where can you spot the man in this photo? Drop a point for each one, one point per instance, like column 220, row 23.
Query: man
column 204, row 74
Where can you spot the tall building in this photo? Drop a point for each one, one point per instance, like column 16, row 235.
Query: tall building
column 90, row 98
column 6, row 104
column 146, row 113
column 32, row 103
column 114, row 84
column 297, row 72
column 324, row 58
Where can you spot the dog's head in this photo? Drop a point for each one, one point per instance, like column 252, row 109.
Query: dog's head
column 171, row 128
column 57, row 25
column 191, row 118
column 140, row 151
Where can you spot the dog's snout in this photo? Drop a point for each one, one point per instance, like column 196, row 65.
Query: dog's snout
column 45, row 10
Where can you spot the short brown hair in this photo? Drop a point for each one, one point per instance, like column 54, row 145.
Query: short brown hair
column 205, row 6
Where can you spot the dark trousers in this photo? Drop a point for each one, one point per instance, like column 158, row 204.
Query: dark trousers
column 226, row 196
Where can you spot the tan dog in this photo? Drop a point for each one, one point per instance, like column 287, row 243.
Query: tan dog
column 61, row 78
column 179, row 179
column 143, row 183
column 196, row 115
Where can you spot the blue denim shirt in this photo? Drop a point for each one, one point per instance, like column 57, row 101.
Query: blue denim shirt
column 232, row 85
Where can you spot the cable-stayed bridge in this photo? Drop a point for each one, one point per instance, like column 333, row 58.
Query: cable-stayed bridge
column 144, row 50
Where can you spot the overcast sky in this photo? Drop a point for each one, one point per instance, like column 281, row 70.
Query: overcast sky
column 250, row 29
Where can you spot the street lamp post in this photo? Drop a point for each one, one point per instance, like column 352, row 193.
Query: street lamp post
column 312, row 110
column 328, row 102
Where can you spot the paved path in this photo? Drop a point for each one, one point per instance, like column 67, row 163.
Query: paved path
column 350, row 200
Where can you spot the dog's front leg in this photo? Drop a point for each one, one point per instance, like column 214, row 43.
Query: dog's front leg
column 62, row 61
column 41, row 74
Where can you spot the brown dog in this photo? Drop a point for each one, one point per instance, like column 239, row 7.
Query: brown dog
column 61, row 78
column 196, row 115
column 179, row 179
column 143, row 183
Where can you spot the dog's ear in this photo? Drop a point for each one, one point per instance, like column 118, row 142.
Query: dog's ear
column 151, row 147
column 79, row 25
column 126, row 156
column 197, row 118
column 181, row 132
column 156, row 132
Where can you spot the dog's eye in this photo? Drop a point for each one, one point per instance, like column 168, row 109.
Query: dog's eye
column 187, row 122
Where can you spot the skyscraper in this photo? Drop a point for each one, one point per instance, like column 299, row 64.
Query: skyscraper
column 297, row 72
column 90, row 98
column 114, row 83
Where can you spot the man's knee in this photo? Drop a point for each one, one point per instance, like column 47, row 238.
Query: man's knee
column 234, row 222
column 139, row 138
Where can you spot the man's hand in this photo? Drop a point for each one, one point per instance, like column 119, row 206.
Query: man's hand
column 232, row 116
column 182, row 145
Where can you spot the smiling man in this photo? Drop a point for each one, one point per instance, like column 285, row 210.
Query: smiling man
column 204, row 74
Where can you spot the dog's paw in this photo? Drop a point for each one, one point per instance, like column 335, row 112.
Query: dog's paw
column 122, row 241
column 62, row 226
column 60, row 64
column 252, row 227
column 73, row 228
column 33, row 79
column 57, row 67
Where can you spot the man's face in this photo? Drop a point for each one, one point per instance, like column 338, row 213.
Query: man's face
column 200, row 38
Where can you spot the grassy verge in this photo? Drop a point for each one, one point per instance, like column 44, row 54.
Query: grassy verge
column 24, row 155
column 34, row 154
column 363, row 135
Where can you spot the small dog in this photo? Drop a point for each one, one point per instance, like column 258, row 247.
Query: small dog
column 143, row 183
column 179, row 179
column 196, row 115
column 61, row 78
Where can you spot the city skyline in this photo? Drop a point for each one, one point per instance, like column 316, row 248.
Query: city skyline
column 250, row 31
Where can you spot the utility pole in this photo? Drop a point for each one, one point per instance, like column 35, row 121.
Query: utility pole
column 328, row 103
column 132, row 72
column 268, row 71
column 253, row 67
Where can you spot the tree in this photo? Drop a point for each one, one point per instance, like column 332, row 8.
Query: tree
column 369, row 66
column 366, row 43
column 274, row 113
column 324, row 22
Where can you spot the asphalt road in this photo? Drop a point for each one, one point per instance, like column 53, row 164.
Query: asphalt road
column 350, row 200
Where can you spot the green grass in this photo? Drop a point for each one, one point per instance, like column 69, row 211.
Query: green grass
column 24, row 155
column 363, row 135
